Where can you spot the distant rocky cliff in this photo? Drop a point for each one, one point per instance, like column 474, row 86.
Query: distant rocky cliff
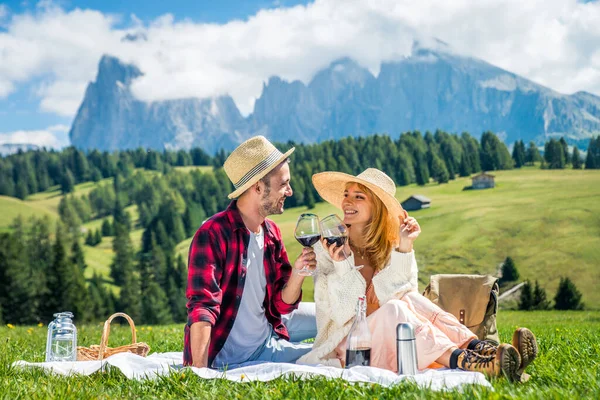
column 426, row 91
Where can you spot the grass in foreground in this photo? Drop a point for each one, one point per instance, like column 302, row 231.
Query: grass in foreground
column 567, row 367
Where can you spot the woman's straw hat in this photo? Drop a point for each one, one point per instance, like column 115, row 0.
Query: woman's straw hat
column 250, row 162
column 331, row 186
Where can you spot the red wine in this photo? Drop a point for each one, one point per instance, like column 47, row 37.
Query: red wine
column 358, row 357
column 308, row 240
column 338, row 240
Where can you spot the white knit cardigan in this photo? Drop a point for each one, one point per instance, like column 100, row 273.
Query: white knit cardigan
column 337, row 288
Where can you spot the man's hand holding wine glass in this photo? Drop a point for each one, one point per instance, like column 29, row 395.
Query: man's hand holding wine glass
column 306, row 261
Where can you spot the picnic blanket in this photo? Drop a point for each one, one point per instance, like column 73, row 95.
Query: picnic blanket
column 160, row 364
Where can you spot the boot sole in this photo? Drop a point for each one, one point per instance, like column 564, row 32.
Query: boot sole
column 509, row 359
column 525, row 342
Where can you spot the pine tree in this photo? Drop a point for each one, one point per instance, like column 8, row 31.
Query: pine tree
column 438, row 170
column 554, row 155
column 182, row 273
column 119, row 216
column 177, row 301
column 310, row 200
column 67, row 184
column 123, row 255
column 68, row 215
column 58, row 273
column 421, row 169
column 77, row 257
column 567, row 297
column 16, row 282
column 107, row 228
column 465, row 169
column 21, row 190
column 539, row 298
column 518, row 154
column 592, row 159
column 533, row 154
column 76, row 296
column 155, row 305
column 130, row 301
column 39, row 252
column 576, row 158
column 97, row 237
column 187, row 222
column 494, row 154
column 565, row 149
column 509, row 271
column 526, row 299
column 89, row 239
column 98, row 298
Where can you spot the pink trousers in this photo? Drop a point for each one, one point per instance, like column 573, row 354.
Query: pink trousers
column 436, row 331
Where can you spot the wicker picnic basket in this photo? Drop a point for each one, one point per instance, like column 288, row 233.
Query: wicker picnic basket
column 95, row 352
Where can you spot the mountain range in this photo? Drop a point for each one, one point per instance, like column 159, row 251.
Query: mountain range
column 430, row 89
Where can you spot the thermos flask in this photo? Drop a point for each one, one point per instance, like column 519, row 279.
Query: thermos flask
column 406, row 349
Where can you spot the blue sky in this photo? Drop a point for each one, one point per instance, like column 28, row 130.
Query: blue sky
column 20, row 110
column 49, row 49
column 216, row 11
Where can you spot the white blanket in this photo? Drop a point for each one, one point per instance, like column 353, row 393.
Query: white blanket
column 158, row 364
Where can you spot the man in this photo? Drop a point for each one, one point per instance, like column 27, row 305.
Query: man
column 240, row 280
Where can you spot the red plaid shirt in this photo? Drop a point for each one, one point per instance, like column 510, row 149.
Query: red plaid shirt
column 216, row 275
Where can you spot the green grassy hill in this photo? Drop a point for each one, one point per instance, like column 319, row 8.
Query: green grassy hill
column 12, row 207
column 547, row 221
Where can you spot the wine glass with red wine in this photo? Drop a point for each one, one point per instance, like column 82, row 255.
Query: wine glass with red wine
column 333, row 231
column 308, row 233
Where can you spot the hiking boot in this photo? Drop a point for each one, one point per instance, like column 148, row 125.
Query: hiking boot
column 486, row 349
column 526, row 344
column 505, row 362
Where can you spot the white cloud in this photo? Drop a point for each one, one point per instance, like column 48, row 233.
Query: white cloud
column 554, row 42
column 52, row 137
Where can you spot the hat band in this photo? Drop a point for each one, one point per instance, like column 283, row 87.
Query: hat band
column 258, row 168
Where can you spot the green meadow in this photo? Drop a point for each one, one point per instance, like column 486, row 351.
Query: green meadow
column 567, row 368
column 548, row 221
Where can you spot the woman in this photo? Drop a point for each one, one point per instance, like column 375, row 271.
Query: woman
column 381, row 237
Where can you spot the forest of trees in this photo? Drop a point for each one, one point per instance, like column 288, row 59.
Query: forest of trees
column 42, row 264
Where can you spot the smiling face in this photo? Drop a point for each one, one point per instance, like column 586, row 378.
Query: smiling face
column 275, row 190
column 357, row 206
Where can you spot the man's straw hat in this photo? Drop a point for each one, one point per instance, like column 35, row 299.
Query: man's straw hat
column 250, row 162
column 331, row 186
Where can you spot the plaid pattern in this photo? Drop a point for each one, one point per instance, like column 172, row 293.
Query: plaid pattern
column 216, row 275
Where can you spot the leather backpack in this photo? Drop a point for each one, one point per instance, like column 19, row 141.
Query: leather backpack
column 472, row 299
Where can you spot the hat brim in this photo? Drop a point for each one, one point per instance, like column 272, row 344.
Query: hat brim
column 331, row 186
column 239, row 191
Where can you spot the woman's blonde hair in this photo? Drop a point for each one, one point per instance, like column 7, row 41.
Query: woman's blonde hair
column 381, row 232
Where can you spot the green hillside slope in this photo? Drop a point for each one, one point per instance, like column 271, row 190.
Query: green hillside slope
column 12, row 207
column 547, row 221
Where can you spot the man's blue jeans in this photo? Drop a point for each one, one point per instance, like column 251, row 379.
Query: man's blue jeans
column 301, row 325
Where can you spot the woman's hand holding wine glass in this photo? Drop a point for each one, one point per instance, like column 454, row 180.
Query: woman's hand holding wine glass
column 335, row 239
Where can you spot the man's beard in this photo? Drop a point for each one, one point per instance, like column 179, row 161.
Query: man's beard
column 268, row 207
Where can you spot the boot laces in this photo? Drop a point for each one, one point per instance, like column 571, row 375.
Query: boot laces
column 477, row 360
column 484, row 346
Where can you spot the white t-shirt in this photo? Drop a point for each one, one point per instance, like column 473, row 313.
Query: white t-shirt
column 251, row 328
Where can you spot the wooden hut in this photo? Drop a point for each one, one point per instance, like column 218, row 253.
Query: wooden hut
column 416, row 202
column 483, row 181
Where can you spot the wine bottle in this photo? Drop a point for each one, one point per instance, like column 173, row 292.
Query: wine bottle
column 358, row 343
